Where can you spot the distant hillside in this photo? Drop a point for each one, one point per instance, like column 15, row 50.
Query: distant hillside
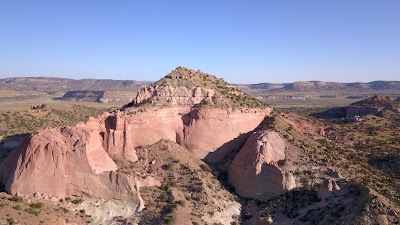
column 376, row 105
column 323, row 86
column 100, row 96
column 52, row 84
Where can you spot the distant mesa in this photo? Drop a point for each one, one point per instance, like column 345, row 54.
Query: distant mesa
column 86, row 90
column 53, row 84
column 99, row 96
column 308, row 86
column 83, row 96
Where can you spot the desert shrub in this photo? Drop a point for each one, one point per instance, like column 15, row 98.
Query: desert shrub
column 11, row 221
column 205, row 168
column 38, row 205
column 17, row 207
column 33, row 211
column 169, row 166
column 16, row 199
column 65, row 210
column 181, row 203
column 77, row 201
column 169, row 220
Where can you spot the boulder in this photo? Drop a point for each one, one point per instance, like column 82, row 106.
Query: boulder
column 255, row 172
column 328, row 188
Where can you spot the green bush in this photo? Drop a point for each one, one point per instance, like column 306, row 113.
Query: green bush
column 38, row 205
column 16, row 199
column 33, row 211
column 77, row 201
column 17, row 207
column 181, row 203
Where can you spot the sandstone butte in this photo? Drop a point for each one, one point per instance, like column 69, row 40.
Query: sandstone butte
column 194, row 109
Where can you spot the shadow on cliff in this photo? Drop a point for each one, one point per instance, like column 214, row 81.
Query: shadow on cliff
column 332, row 113
column 10, row 143
column 227, row 150
column 220, row 160
column 7, row 146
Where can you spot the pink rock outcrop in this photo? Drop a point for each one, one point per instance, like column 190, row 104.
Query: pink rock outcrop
column 62, row 162
column 72, row 161
column 69, row 161
column 255, row 173
column 327, row 188
column 200, row 130
column 207, row 130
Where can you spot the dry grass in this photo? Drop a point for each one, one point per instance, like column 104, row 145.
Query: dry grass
column 19, row 210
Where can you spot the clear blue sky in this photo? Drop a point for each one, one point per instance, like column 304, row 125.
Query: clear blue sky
column 241, row 41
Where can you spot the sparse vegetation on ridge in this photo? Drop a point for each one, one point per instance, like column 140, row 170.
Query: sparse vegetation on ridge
column 222, row 95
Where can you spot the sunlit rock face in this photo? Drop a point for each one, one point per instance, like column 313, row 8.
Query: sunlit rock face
column 62, row 162
column 255, row 172
column 194, row 109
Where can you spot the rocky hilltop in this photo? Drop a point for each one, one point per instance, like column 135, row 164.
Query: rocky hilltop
column 187, row 87
column 376, row 105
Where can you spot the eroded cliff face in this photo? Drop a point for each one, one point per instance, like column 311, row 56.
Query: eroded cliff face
column 255, row 172
column 208, row 130
column 201, row 113
column 68, row 161
column 173, row 95
column 65, row 161
column 201, row 131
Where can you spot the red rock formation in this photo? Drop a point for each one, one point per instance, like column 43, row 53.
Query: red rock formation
column 328, row 187
column 201, row 131
column 207, row 130
column 69, row 161
column 255, row 173
column 62, row 162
